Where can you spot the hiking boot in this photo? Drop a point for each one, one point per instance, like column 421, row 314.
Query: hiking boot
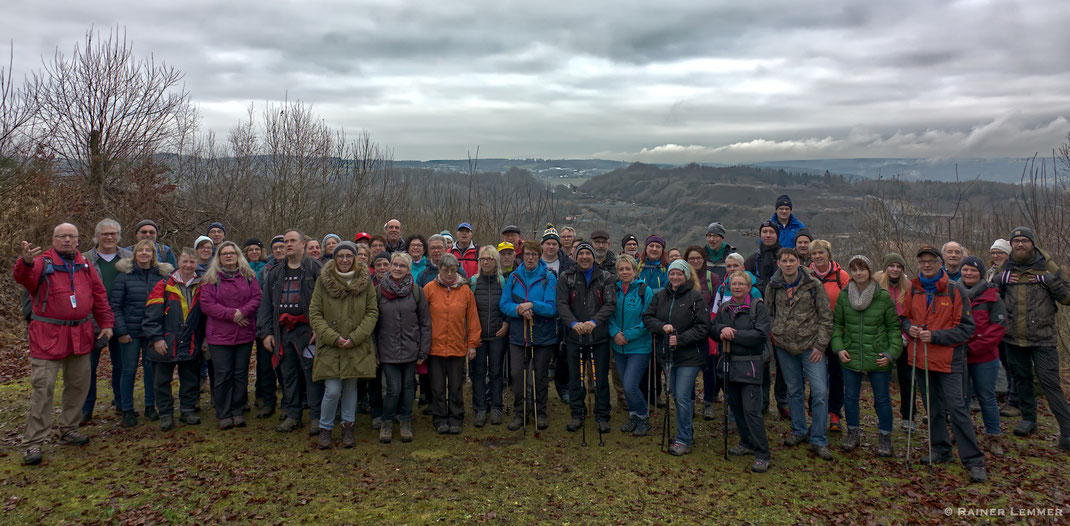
column 740, row 451
column 87, row 418
column 642, row 427
column 129, row 419
column 822, row 452
column 994, row 445
column 495, row 417
column 188, row 417
column 406, row 431
column 377, row 423
column 1064, row 443
column 314, row 429
column 151, row 414
column 443, row 429
column 629, row 426
column 455, row 430
column 481, row 418
column 325, row 439
column 265, row 411
column 517, row 422
column 73, row 438
column 347, row 435
column 1025, row 428
column 33, row 456
column 541, row 423
column 707, row 412
column 907, row 425
column 603, row 426
column 565, row 399
column 679, row 449
column 795, row 440
column 884, row 445
column 226, row 423
column 834, row 423
column 1010, row 411
column 386, row 433
column 853, row 438
column 239, row 421
column 760, row 465
column 938, row 459
column 977, row 474
column 574, row 425
column 785, row 413
column 288, row 425
column 167, row 422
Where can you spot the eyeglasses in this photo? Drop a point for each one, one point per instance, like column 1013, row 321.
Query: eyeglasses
column 108, row 234
column 699, row 259
column 486, row 259
column 530, row 255
column 228, row 254
column 344, row 256
column 928, row 261
column 399, row 265
column 996, row 253
column 66, row 236
column 1022, row 241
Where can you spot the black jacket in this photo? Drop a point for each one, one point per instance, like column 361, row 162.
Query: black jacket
column 578, row 301
column 173, row 314
column 267, row 317
column 686, row 310
column 750, row 348
column 129, row 293
column 488, row 293
column 762, row 264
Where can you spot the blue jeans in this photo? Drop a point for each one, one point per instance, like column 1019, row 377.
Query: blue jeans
column 631, row 368
column 983, row 376
column 486, row 372
column 882, row 398
column 131, row 353
column 116, row 375
column 683, row 383
column 333, row 389
column 794, row 367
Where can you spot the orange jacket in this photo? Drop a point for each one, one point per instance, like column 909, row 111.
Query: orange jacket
column 454, row 319
column 948, row 317
column 835, row 281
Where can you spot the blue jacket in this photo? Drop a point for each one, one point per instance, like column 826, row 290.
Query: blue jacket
column 130, row 292
column 787, row 233
column 538, row 286
column 164, row 254
column 628, row 319
column 655, row 276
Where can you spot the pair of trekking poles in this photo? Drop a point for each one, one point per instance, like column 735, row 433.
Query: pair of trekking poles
column 588, row 379
column 529, row 362
column 928, row 408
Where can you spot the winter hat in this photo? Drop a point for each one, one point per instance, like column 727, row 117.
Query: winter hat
column 1001, row 245
column 783, row 200
column 804, row 232
column 202, row 239
column 583, row 245
column 328, row 236
column 446, row 233
column 253, row 241
column 654, row 238
column 511, row 229
column 382, row 255
column 865, row 261
column 975, row 262
column 769, row 224
column 627, row 238
column 550, row 233
column 144, row 222
column 1026, row 232
column 344, row 245
column 682, row 266
column 893, row 257
column 217, row 224
column 715, row 228
column 278, row 240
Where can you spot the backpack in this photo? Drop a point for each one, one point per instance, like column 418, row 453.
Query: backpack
column 571, row 280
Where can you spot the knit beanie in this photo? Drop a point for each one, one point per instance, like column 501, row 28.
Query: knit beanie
column 783, row 200
column 278, row 240
column 893, row 257
column 769, row 224
column 144, row 222
column 864, row 260
column 627, row 238
column 654, row 238
column 715, row 228
column 583, row 245
column 682, row 266
column 253, row 241
column 1024, row 231
column 323, row 243
column 344, row 245
column 975, row 262
column 382, row 255
column 1001, row 245
column 202, row 239
column 217, row 224
column 550, row 233
column 803, row 232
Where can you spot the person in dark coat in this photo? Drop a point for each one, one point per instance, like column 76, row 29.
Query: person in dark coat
column 487, row 287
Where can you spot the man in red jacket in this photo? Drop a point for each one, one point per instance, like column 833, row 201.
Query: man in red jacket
column 66, row 294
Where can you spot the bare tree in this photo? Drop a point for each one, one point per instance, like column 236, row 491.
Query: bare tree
column 17, row 111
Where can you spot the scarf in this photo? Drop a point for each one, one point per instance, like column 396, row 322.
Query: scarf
column 929, row 286
column 717, row 255
column 393, row 289
column 346, row 276
column 228, row 274
column 974, row 291
column 818, row 274
column 735, row 307
column 894, row 281
column 861, row 299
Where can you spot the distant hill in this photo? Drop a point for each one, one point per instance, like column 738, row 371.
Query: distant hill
column 1006, row 170
column 545, row 168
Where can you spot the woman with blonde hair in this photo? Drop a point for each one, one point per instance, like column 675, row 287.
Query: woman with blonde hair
column 487, row 287
column 230, row 297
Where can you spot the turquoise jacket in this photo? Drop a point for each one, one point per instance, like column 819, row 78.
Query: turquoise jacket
column 655, row 276
column 628, row 319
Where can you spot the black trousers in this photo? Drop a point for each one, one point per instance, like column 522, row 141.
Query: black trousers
column 746, row 403
column 577, row 390
column 521, row 373
column 1046, row 362
column 907, row 394
column 189, row 385
column 447, row 381
column 945, row 396
column 266, row 379
column 230, row 388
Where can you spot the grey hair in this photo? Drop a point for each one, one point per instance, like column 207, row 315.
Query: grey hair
column 943, row 248
column 437, row 237
column 405, row 258
column 736, row 256
column 103, row 223
column 448, row 260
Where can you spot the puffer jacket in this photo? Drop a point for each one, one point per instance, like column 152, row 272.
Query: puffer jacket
column 868, row 333
column 130, row 291
column 949, row 318
column 989, row 317
column 488, row 293
column 220, row 300
column 1032, row 300
column 539, row 286
column 686, row 311
column 403, row 332
column 802, row 322
column 835, row 281
column 627, row 318
column 751, row 321
column 346, row 309
column 578, row 301
column 173, row 314
column 454, row 318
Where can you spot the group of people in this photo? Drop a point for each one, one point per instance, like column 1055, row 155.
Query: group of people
column 332, row 320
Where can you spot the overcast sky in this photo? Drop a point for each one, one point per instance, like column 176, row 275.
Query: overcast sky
column 721, row 81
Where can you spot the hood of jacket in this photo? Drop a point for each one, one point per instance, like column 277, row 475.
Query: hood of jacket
column 338, row 287
column 530, row 276
column 126, row 266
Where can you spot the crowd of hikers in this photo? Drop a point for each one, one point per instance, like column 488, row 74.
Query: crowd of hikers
column 341, row 327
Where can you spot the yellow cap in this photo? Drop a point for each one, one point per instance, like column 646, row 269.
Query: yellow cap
column 505, row 245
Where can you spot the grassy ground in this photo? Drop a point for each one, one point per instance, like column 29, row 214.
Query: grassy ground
column 198, row 474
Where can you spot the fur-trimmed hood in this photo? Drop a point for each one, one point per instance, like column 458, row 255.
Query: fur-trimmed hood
column 337, row 287
column 126, row 266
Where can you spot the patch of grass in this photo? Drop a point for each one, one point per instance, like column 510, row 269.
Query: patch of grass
column 198, row 474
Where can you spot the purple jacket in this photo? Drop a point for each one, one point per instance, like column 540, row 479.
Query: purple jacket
column 219, row 301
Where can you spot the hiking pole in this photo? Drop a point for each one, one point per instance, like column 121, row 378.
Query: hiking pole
column 667, row 365
column 583, row 377
column 534, row 381
column 524, row 386
column 929, row 408
column 913, row 386
column 594, row 385
column 726, row 347
column 652, row 371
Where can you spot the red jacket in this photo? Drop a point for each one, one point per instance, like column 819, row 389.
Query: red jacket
column 469, row 259
column 61, row 326
column 835, row 281
column 989, row 315
column 948, row 317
